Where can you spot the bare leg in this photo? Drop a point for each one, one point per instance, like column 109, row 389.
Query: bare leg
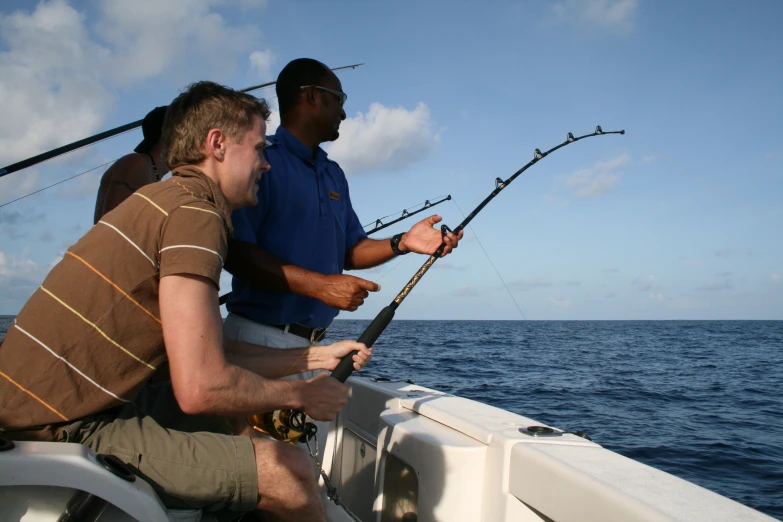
column 286, row 487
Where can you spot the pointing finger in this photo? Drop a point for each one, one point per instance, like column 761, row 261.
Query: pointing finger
column 368, row 285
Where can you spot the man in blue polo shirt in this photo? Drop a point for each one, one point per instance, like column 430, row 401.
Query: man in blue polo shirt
column 289, row 251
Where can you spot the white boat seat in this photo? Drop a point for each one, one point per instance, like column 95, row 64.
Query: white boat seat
column 38, row 480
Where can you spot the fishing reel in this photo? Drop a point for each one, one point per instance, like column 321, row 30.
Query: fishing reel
column 289, row 426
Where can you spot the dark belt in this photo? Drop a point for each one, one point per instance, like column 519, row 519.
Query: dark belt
column 314, row 335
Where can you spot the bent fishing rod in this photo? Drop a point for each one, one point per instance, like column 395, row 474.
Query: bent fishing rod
column 59, row 151
column 291, row 426
column 223, row 299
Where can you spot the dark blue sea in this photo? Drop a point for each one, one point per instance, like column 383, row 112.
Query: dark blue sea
column 702, row 400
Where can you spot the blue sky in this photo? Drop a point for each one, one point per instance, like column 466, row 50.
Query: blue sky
column 681, row 218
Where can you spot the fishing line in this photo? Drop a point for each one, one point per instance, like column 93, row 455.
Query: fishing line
column 401, row 261
column 55, row 184
column 493, row 265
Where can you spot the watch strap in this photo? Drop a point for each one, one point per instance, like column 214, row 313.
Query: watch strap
column 395, row 245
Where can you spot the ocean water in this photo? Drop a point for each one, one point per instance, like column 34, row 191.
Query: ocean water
column 702, row 400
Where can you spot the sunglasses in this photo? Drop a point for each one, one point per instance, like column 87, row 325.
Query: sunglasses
column 341, row 96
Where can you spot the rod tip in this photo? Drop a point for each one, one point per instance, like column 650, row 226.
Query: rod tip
column 622, row 131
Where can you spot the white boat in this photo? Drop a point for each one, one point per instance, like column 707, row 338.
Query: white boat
column 398, row 453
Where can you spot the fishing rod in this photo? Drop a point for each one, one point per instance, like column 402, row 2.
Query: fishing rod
column 380, row 225
column 59, row 151
column 291, row 425
column 223, row 299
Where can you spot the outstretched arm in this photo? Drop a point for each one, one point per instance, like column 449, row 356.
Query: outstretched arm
column 421, row 238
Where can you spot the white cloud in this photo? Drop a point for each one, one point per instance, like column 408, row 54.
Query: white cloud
column 13, row 266
column 597, row 179
column 150, row 36
column 656, row 296
column 775, row 277
column 726, row 252
column 386, row 138
column 57, row 73
column 618, row 15
column 261, row 63
column 50, row 80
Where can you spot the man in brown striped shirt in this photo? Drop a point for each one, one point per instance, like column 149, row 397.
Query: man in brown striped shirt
column 139, row 291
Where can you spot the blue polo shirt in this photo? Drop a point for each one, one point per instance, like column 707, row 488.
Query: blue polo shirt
column 304, row 217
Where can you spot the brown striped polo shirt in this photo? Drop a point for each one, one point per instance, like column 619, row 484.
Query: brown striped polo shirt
column 90, row 336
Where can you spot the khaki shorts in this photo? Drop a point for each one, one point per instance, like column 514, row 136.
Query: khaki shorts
column 191, row 461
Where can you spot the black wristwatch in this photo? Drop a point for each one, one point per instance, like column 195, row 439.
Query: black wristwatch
column 395, row 244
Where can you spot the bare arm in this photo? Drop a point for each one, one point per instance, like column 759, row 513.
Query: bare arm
column 265, row 272
column 421, row 238
column 261, row 270
column 205, row 382
column 126, row 176
column 274, row 363
column 368, row 253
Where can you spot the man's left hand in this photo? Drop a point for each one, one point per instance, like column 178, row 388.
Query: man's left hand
column 329, row 356
column 422, row 238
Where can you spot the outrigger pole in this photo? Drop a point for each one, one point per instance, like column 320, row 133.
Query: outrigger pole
column 291, row 426
column 380, row 225
column 10, row 169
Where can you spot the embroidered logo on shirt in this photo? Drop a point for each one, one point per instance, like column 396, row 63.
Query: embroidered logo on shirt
column 334, row 195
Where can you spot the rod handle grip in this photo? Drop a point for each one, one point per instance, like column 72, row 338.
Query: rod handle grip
column 369, row 336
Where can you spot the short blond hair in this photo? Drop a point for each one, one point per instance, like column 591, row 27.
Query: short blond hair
column 204, row 106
